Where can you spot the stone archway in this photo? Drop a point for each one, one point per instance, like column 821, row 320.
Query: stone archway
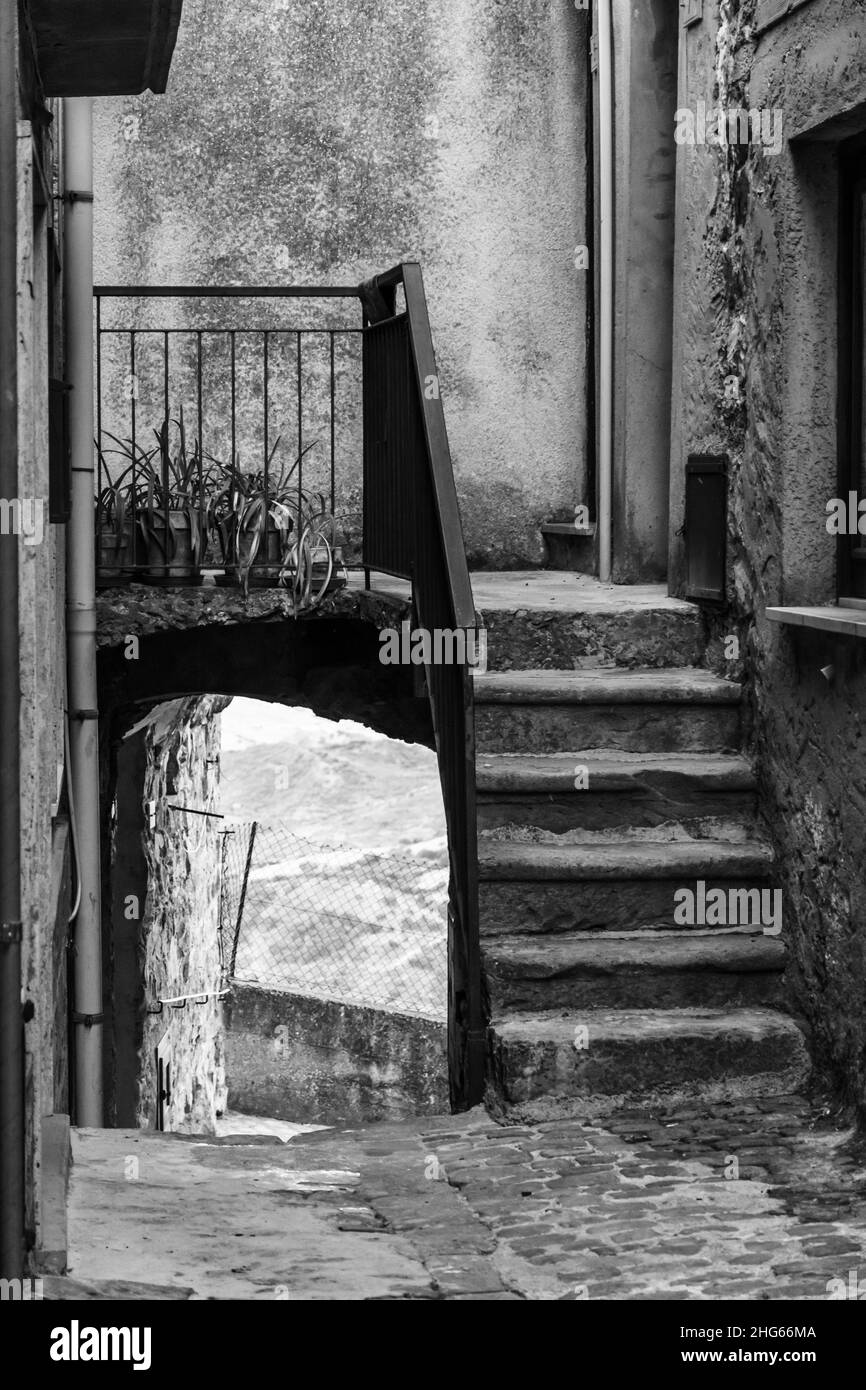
column 158, row 645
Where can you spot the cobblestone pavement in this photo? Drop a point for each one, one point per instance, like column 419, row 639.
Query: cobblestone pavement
column 751, row 1200
column 741, row 1200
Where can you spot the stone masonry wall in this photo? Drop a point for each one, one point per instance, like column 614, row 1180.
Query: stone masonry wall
column 755, row 355
column 297, row 1058
column 179, row 937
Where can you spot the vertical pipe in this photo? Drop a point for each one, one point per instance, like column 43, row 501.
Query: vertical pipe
column 81, row 608
column 11, row 1027
column 606, row 286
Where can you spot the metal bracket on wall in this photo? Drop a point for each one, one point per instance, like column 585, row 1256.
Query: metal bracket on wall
column 73, row 196
column 88, row 1019
column 694, row 12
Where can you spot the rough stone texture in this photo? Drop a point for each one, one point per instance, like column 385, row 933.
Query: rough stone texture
column 756, row 1199
column 651, row 970
column 340, row 142
column 179, row 928
column 705, row 797
column 305, row 1059
column 211, row 640
column 598, row 707
column 549, row 727
column 528, row 639
column 44, row 879
column 756, row 301
column 588, row 861
column 628, row 904
column 703, row 1051
column 143, row 610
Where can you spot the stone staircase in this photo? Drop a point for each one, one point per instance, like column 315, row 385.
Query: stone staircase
column 602, row 790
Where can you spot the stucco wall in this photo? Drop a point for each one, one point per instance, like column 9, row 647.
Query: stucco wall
column 307, row 141
column 755, row 277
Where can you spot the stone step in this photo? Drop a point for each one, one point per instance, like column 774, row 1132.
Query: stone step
column 653, row 970
column 543, row 887
column 595, row 1052
column 676, row 709
column 695, row 791
column 559, row 621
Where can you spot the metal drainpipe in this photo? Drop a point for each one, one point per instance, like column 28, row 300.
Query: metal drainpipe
column 606, row 286
column 11, row 1024
column 81, row 606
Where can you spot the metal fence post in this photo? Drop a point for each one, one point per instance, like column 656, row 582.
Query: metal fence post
column 253, row 829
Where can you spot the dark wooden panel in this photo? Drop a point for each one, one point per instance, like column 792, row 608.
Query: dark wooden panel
column 102, row 47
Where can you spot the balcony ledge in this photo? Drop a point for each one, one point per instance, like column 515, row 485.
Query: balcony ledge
column 845, row 619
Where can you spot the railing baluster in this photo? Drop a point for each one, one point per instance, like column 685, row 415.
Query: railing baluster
column 99, row 374
column 300, row 449
column 166, row 516
column 333, row 427
column 200, row 468
column 234, row 399
column 133, row 422
column 199, row 393
column 266, row 397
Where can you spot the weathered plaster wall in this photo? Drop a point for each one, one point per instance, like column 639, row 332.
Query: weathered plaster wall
column 44, row 846
column 756, row 276
column 298, row 1058
column 306, row 141
column 179, row 941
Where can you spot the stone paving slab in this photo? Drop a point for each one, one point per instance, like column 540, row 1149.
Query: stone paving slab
column 685, row 1203
column 756, row 1199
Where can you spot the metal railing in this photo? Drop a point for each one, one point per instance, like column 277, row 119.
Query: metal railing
column 387, row 465
column 248, row 402
column 412, row 529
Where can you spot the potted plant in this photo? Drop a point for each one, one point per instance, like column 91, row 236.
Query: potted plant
column 116, row 536
column 253, row 519
column 173, row 512
column 310, row 567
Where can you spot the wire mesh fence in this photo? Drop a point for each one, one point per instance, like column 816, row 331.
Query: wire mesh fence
column 355, row 926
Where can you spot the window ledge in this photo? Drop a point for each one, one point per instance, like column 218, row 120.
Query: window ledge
column 847, row 618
